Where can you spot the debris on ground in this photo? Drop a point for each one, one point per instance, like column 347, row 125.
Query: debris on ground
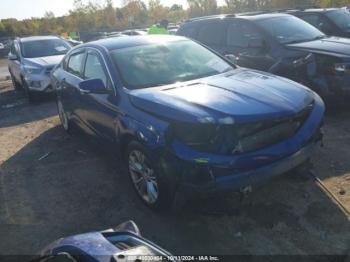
column 81, row 152
column 44, row 156
column 17, row 103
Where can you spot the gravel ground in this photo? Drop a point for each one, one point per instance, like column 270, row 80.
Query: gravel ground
column 79, row 188
column 4, row 72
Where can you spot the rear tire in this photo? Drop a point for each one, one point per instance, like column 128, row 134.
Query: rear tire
column 63, row 116
column 149, row 183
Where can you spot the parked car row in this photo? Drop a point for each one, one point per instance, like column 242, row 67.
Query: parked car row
column 4, row 46
column 331, row 21
column 195, row 117
column 280, row 44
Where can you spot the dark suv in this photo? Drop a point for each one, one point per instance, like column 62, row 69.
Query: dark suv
column 331, row 21
column 278, row 43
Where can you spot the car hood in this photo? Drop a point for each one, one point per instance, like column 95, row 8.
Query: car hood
column 239, row 96
column 45, row 61
column 334, row 46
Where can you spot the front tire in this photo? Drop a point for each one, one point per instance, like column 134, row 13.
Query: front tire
column 15, row 84
column 30, row 95
column 149, row 183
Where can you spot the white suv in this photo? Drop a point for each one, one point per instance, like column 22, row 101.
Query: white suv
column 31, row 60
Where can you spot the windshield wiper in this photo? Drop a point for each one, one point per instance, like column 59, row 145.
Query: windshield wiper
column 296, row 41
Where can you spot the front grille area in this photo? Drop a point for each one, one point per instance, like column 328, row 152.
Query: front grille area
column 269, row 133
column 48, row 70
column 242, row 138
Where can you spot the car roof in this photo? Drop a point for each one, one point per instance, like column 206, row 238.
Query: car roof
column 37, row 38
column 254, row 16
column 261, row 16
column 122, row 42
column 312, row 10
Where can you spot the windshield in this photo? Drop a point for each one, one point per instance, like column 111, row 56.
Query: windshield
column 166, row 63
column 42, row 48
column 289, row 29
column 341, row 18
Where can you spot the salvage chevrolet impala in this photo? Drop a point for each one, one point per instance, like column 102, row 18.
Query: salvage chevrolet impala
column 186, row 120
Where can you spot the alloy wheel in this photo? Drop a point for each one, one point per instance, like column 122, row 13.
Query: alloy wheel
column 143, row 176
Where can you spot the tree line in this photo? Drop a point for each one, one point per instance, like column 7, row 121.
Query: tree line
column 92, row 17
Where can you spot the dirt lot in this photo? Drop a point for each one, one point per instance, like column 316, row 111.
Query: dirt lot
column 79, row 188
column 3, row 69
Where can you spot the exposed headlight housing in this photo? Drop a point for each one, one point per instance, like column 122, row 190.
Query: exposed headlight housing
column 194, row 135
column 239, row 138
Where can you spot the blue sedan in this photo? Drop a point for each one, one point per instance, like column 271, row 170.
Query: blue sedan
column 186, row 120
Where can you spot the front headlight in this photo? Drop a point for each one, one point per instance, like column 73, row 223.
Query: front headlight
column 194, row 135
column 213, row 138
column 33, row 69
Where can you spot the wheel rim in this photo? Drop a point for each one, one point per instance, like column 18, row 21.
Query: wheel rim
column 143, row 177
column 62, row 115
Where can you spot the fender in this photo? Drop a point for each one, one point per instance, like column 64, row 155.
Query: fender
column 149, row 135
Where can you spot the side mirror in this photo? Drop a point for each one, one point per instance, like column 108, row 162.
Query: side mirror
column 231, row 57
column 12, row 57
column 95, row 86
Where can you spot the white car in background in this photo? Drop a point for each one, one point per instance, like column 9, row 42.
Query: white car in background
column 31, row 60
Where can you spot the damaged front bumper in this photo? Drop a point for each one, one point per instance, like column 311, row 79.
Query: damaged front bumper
column 39, row 82
column 203, row 173
column 237, row 181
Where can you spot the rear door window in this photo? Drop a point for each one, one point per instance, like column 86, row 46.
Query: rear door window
column 319, row 22
column 94, row 68
column 188, row 31
column 211, row 33
column 312, row 19
column 240, row 34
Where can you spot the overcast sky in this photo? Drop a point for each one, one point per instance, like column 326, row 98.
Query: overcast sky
column 22, row 9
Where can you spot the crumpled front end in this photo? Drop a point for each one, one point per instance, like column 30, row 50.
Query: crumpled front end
column 232, row 157
column 333, row 78
column 39, row 81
